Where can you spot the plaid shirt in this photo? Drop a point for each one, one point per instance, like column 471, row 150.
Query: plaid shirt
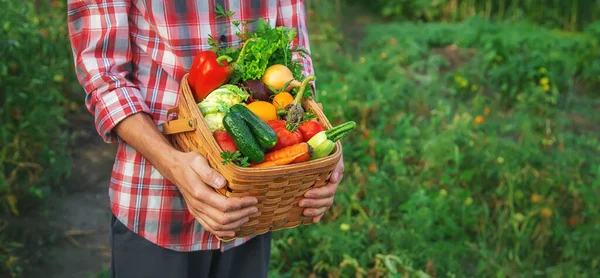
column 130, row 57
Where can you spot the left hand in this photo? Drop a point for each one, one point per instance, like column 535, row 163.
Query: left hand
column 318, row 200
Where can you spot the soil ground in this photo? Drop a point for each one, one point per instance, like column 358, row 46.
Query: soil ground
column 72, row 232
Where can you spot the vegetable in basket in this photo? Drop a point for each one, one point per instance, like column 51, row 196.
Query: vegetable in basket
column 258, row 89
column 208, row 71
column 225, row 140
column 281, row 100
column 309, row 128
column 264, row 110
column 295, row 112
column 264, row 134
column 243, row 138
column 287, row 131
column 293, row 154
column 217, row 104
column 285, row 137
column 250, row 134
column 280, row 78
column 324, row 142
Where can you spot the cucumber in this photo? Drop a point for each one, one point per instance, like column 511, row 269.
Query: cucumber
column 264, row 134
column 243, row 138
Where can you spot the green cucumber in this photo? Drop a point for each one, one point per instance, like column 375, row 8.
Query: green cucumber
column 336, row 133
column 264, row 134
column 243, row 138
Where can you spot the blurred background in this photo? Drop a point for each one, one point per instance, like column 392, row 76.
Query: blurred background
column 476, row 153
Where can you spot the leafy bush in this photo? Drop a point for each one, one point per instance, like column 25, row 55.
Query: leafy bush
column 475, row 155
column 35, row 72
column 571, row 15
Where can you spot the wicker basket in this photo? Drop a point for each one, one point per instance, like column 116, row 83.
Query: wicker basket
column 278, row 189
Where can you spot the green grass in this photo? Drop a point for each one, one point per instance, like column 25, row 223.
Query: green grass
column 478, row 159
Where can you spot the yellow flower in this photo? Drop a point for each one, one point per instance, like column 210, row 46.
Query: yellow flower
column 474, row 87
column 486, row 111
column 546, row 87
column 467, row 202
column 344, row 227
column 443, row 192
column 461, row 81
column 478, row 120
column 544, row 81
column 363, row 60
column 543, row 70
column 383, row 55
column 10, row 261
column 536, row 198
column 500, row 160
column 546, row 213
column 58, row 78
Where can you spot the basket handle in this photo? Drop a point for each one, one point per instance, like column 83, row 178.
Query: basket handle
column 179, row 125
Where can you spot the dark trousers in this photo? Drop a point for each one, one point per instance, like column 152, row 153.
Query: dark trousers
column 133, row 256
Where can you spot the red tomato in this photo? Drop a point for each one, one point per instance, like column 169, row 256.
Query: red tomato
column 225, row 140
column 308, row 129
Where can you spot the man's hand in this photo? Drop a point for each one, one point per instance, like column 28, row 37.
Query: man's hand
column 218, row 214
column 193, row 176
column 318, row 200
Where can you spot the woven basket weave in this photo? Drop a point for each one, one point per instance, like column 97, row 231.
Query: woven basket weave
column 278, row 189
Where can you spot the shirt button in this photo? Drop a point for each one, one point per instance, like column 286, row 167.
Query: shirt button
column 223, row 38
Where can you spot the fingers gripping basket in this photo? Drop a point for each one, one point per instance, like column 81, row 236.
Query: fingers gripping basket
column 278, row 189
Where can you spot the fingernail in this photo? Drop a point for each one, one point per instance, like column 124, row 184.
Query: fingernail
column 335, row 177
column 302, row 203
column 220, row 181
column 245, row 220
column 254, row 210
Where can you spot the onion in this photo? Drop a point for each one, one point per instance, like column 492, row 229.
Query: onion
column 276, row 76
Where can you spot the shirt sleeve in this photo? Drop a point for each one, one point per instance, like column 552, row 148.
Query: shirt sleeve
column 99, row 34
column 292, row 14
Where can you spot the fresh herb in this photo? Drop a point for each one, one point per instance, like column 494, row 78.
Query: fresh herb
column 271, row 46
column 236, row 157
column 221, row 12
column 309, row 115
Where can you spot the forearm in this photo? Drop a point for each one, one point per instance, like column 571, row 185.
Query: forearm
column 140, row 132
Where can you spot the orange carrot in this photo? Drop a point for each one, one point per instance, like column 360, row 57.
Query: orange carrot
column 300, row 148
column 278, row 162
column 293, row 154
column 302, row 158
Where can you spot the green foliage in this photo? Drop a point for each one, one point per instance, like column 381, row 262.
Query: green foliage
column 475, row 154
column 35, row 71
column 571, row 15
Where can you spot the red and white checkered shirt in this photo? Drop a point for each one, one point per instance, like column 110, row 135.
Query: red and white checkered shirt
column 130, row 57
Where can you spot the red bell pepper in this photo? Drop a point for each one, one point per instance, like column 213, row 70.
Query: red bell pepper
column 208, row 72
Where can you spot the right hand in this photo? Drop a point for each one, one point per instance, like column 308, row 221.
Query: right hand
column 218, row 214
